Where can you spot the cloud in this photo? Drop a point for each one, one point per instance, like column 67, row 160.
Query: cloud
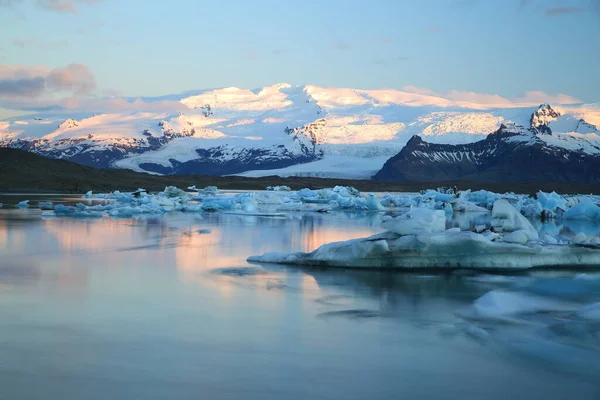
column 418, row 90
column 76, row 78
column 340, row 45
column 538, row 97
column 57, row 6
column 558, row 11
column 484, row 100
column 24, row 87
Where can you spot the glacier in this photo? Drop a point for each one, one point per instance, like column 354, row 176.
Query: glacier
column 284, row 130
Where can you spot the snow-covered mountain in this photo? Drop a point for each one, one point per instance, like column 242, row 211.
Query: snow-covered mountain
column 282, row 129
column 513, row 153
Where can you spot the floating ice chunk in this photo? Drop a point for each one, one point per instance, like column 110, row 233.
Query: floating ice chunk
column 88, row 194
column 172, row 191
column 0, row 205
column 249, row 203
column 218, row 204
column 417, row 220
column 551, row 201
column 466, row 206
column 583, row 211
column 506, row 218
column 48, row 215
column 533, row 209
column 23, row 204
column 373, row 203
column 447, row 249
column 193, row 188
column 482, row 198
column 45, row 205
column 549, row 239
column 580, row 238
column 282, row 188
column 508, row 305
column 399, row 201
column 521, row 236
column 346, row 191
column 209, row 190
column 370, row 203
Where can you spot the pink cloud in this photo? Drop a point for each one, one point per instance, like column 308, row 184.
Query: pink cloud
column 541, row 97
column 484, row 100
column 64, row 6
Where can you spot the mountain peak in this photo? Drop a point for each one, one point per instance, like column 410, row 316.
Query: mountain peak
column 541, row 118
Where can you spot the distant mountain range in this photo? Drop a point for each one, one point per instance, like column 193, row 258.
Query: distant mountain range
column 511, row 154
column 323, row 132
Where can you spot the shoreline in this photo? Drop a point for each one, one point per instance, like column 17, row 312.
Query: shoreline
column 158, row 183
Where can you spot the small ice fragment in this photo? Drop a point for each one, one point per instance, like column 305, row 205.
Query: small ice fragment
column 580, row 238
column 23, row 204
column 550, row 239
column 520, row 237
column 282, row 188
column 45, row 205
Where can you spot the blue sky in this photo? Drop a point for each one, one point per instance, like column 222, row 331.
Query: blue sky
column 143, row 47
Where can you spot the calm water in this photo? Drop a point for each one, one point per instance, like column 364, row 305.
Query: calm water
column 149, row 308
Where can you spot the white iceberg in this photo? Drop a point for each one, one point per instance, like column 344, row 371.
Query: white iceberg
column 418, row 239
column 282, row 188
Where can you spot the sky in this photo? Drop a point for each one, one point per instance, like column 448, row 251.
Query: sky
column 75, row 49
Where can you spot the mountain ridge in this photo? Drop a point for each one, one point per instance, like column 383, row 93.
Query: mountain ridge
column 280, row 129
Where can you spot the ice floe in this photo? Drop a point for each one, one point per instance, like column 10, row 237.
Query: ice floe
column 419, row 239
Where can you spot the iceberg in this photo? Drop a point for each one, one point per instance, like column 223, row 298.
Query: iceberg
column 45, row 205
column 585, row 210
column 419, row 239
column 282, row 188
column 23, row 204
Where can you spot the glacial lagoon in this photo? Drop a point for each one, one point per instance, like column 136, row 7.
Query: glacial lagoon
column 166, row 306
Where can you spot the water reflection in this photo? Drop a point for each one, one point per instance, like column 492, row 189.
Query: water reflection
column 150, row 308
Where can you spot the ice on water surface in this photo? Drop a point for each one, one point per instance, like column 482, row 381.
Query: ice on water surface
column 155, row 268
